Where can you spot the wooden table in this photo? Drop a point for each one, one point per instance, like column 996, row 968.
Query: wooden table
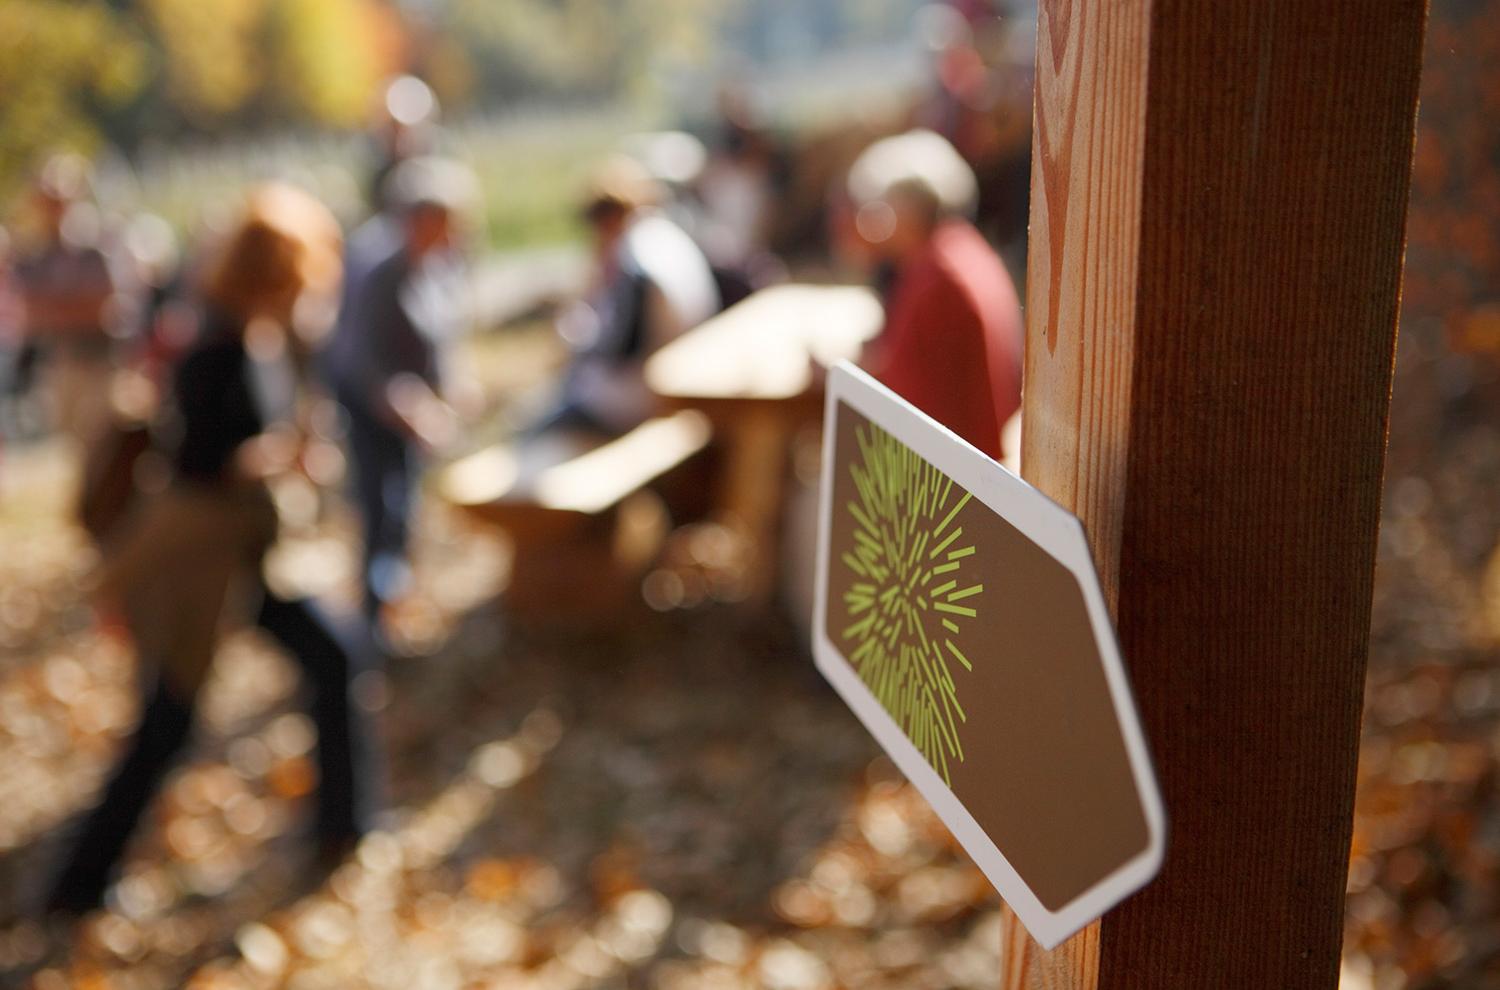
column 581, row 520
column 754, row 371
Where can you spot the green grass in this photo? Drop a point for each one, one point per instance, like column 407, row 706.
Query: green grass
column 532, row 179
column 531, row 172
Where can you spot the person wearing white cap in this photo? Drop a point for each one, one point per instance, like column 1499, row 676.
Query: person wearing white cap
column 952, row 340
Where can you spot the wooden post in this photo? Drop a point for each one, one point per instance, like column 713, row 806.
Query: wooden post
column 1217, row 222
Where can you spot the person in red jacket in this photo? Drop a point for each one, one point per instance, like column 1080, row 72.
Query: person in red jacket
column 952, row 340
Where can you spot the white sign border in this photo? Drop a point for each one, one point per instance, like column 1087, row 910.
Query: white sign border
column 1061, row 535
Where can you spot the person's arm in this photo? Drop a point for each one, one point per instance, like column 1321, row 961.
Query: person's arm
column 423, row 414
column 267, row 454
column 403, row 376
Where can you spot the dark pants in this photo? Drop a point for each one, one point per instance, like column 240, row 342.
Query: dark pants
column 350, row 769
column 385, row 473
column 348, row 763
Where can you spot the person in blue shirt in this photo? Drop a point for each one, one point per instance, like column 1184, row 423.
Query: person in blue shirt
column 385, row 359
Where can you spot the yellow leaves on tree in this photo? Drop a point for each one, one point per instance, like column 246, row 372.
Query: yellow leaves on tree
column 210, row 53
column 583, row 45
column 61, row 63
column 323, row 58
column 318, row 60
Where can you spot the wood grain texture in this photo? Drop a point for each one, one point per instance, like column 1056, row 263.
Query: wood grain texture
column 1081, row 278
column 1218, row 213
column 1024, row 964
column 1087, row 156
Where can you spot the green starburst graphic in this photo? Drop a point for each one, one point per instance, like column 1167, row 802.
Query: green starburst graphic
column 909, row 595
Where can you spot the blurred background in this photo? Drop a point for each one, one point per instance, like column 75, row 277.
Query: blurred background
column 182, row 103
column 574, row 628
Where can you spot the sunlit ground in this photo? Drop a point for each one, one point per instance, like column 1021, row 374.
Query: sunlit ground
column 683, row 805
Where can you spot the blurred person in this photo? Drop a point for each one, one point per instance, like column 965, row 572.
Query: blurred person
column 188, row 561
column 405, row 126
column 13, row 350
column 959, row 76
column 650, row 284
column 11, row 315
column 737, row 191
column 385, row 360
column 982, row 65
column 674, row 161
column 67, row 286
column 164, row 317
column 951, row 345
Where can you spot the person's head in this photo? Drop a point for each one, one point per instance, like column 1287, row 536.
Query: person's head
column 62, row 182
column 152, row 248
column 406, row 118
column 901, row 188
column 619, row 188
column 284, row 246
column 434, row 197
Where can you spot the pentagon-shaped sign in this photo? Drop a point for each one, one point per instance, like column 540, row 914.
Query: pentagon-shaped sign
column 959, row 615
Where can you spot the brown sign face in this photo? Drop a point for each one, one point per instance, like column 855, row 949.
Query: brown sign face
column 984, row 650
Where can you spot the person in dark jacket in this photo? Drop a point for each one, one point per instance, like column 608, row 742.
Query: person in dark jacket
column 190, row 559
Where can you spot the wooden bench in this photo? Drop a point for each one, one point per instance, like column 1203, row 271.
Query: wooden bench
column 754, row 370
column 581, row 514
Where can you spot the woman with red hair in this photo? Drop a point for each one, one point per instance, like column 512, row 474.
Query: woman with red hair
column 188, row 562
